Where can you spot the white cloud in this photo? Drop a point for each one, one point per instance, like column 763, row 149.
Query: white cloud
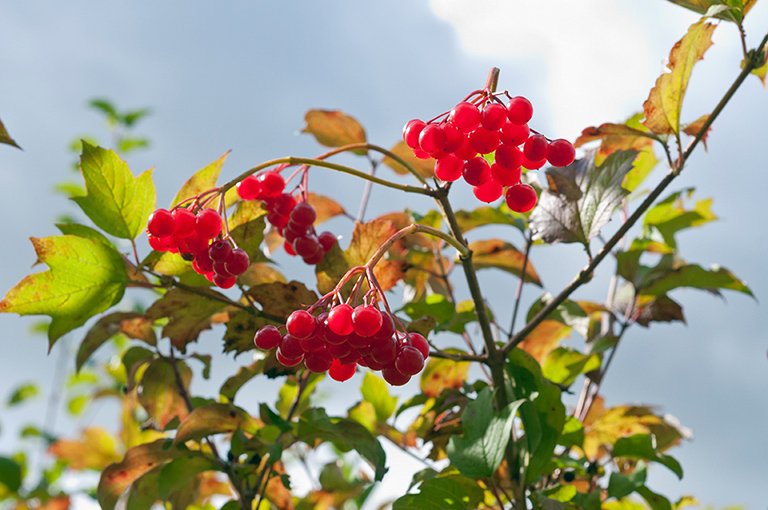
column 596, row 57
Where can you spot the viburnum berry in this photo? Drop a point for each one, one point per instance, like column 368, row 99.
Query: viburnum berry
column 393, row 376
column 159, row 243
column 506, row 176
column 249, row 188
column 277, row 219
column 237, row 262
column 409, row 360
column 561, row 152
column 184, row 222
column 195, row 243
column 341, row 372
column 465, row 116
column 536, row 147
column 476, row 171
column 272, row 183
column 514, row 134
column 521, row 198
column 508, row 156
column 161, row 223
column 303, row 214
column 488, row 192
column 466, row 151
column 219, row 250
column 327, row 240
column 449, row 168
column 338, row 350
column 533, row 165
column 387, row 329
column 519, row 110
column 283, row 204
column 483, row 140
column 340, row 319
column 208, row 223
column 493, row 116
column 318, row 361
column 290, row 347
column 268, row 337
column 288, row 362
column 223, row 281
column 432, row 139
column 411, row 132
column 417, row 340
column 385, row 352
column 366, row 320
column 301, row 324
column 204, row 261
column 306, row 246
column 453, row 137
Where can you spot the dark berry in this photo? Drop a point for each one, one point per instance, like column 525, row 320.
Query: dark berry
column 268, row 337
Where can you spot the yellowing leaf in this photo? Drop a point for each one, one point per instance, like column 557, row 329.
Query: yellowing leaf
column 333, row 128
column 204, row 179
column 502, row 255
column 425, row 167
column 84, row 278
column 442, row 373
column 159, row 393
column 6, row 138
column 213, row 419
column 325, row 207
column 96, row 449
column 662, row 108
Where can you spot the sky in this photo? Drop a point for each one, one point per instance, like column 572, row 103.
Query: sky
column 239, row 76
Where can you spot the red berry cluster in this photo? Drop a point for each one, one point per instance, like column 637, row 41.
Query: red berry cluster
column 338, row 340
column 198, row 238
column 468, row 131
column 294, row 220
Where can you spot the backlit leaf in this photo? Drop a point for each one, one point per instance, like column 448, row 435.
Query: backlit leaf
column 159, row 393
column 84, row 278
column 665, row 101
column 325, row 207
column 246, row 228
column 116, row 201
column 375, row 391
column 564, row 364
column 693, row 128
column 10, row 474
column 670, row 216
column 212, row 419
column 481, row 216
column 188, row 313
column 544, row 338
column 95, row 449
column 580, row 198
column 244, row 374
column 643, row 446
column 5, row 137
column 139, row 460
column 22, row 393
column 729, row 10
column 202, row 180
column 440, row 373
column 424, row 167
column 177, row 474
column 132, row 324
column 443, row 493
column 333, row 128
column 695, row 276
column 479, row 451
column 614, row 137
column 502, row 255
column 259, row 273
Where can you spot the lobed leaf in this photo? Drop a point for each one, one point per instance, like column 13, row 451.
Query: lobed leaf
column 631, row 135
column 202, row 180
column 159, row 394
column 333, row 128
column 325, row 207
column 84, row 278
column 440, row 374
column 482, row 216
column 664, row 103
column 580, row 198
column 495, row 253
column 116, row 201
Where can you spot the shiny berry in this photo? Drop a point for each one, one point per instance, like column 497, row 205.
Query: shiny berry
column 417, row 340
column 303, row 214
column 268, row 337
column 488, row 192
column 536, row 147
column 237, row 262
column 519, row 110
column 409, row 360
column 476, row 171
column 494, row 115
column 448, row 169
column 249, row 188
column 561, row 153
column 394, row 377
column 272, row 183
column 340, row 319
column 327, row 240
column 208, row 224
column 161, row 223
column 318, row 361
column 411, row 132
column 432, row 139
column 465, row 116
column 301, row 324
column 521, row 198
column 341, row 372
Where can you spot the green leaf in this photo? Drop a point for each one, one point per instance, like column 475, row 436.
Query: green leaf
column 620, row 486
column 643, row 446
column 481, row 216
column 580, row 198
column 729, row 10
column 665, row 101
column 564, row 364
column 22, row 393
column 177, row 474
column 345, row 434
column 670, row 216
column 117, row 202
column 495, row 253
column 188, row 313
column 213, row 419
column 104, row 329
column 244, row 374
column 6, row 138
column 695, row 276
column 375, row 391
column 479, row 452
column 202, row 180
column 655, row 501
column 85, row 278
column 573, row 433
column 159, row 394
column 10, row 474
column 246, row 228
column 138, row 461
column 333, row 128
column 443, row 493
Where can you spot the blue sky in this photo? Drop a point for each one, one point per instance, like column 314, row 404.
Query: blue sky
column 240, row 75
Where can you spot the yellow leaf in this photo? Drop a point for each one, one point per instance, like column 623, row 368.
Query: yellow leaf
column 95, row 449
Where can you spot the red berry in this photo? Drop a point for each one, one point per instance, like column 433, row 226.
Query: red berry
column 249, row 188
column 361, row 343
column 283, row 204
column 327, row 240
column 331, row 336
column 453, row 137
column 483, row 140
column 494, row 116
column 237, row 262
column 219, row 250
column 159, row 243
column 465, row 116
column 394, row 377
column 223, row 281
column 488, row 192
column 301, row 324
column 195, row 243
column 448, row 169
column 508, row 156
column 561, row 152
column 432, row 139
column 288, row 362
column 536, row 147
column 533, row 165
column 290, row 347
column 220, row 268
column 521, row 198
column 519, row 110
column 366, row 320
column 387, row 329
column 505, row 176
column 303, row 214
column 204, row 261
column 184, row 222
column 267, row 338
column 385, row 352
column 208, row 224
column 466, row 151
column 341, row 372
column 161, row 223
column 339, row 350
column 411, row 132
column 340, row 319
column 318, row 361
column 476, row 171
column 418, row 341
column 409, row 360
column 288, row 248
column 272, row 183
column 308, row 245
column 514, row 134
